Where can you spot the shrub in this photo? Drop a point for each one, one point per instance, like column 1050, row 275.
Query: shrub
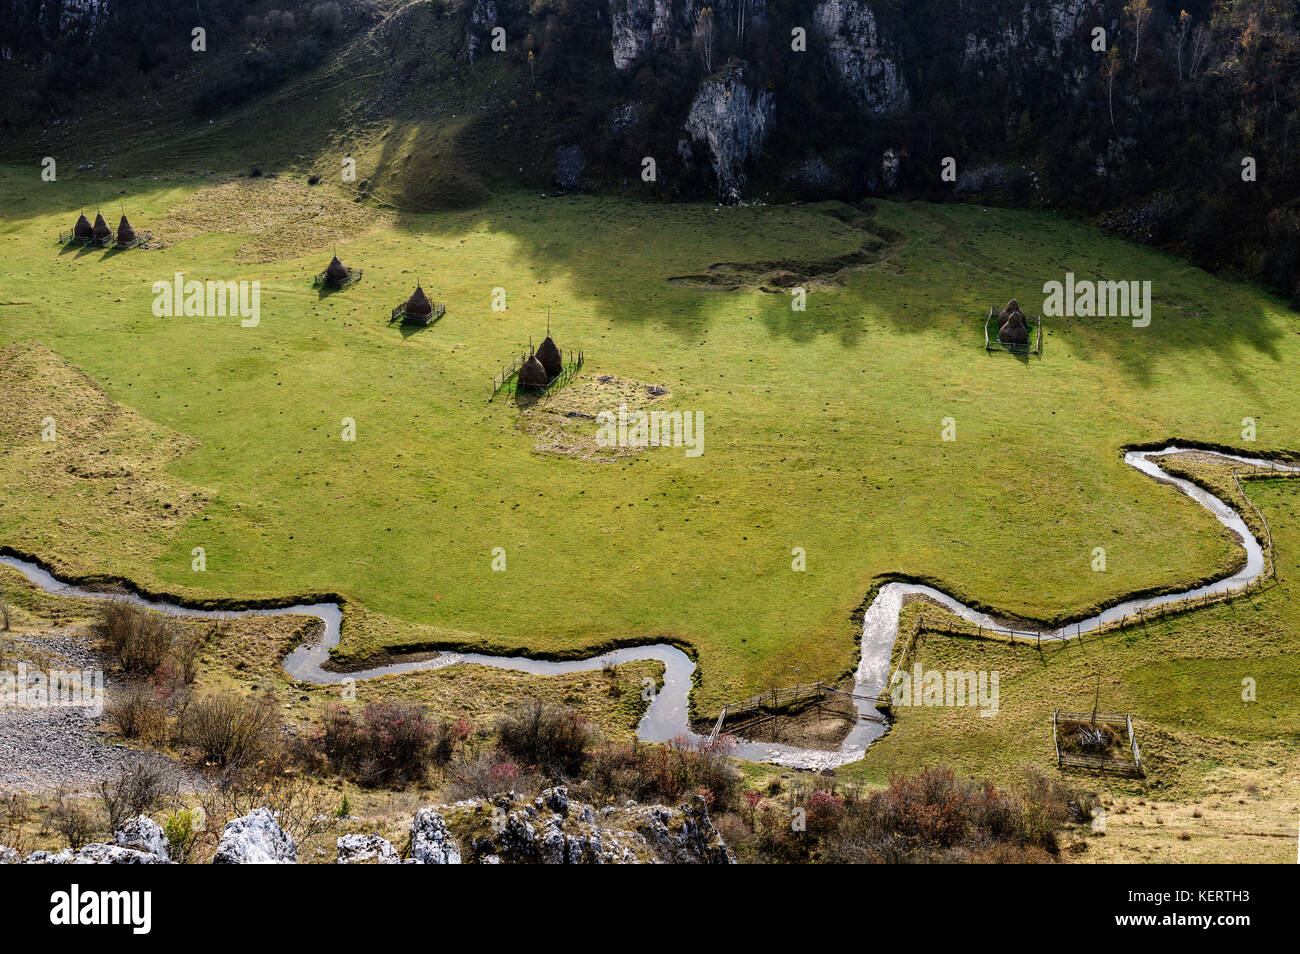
column 229, row 730
column 386, row 743
column 138, row 639
column 485, row 775
column 666, row 773
column 71, row 820
column 137, row 790
column 934, row 816
column 554, row 738
column 182, row 828
column 136, row 713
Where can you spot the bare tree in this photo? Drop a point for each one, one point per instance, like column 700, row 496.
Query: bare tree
column 1139, row 14
column 704, row 37
column 1110, row 71
column 1181, row 30
column 1199, row 51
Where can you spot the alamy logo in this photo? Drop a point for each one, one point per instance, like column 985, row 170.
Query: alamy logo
column 75, row 907
column 210, row 299
column 1085, row 298
column 54, row 689
column 653, row 429
column 937, row 688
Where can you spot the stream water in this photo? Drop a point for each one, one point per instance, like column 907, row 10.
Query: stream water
column 666, row 717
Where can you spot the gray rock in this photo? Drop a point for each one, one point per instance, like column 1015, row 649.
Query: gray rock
column 366, row 850
column 143, row 834
column 97, row 854
column 865, row 63
column 730, row 121
column 255, row 839
column 430, row 842
column 569, row 166
column 9, row 857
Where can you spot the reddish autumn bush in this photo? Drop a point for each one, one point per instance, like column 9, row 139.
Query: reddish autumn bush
column 666, row 773
column 384, row 744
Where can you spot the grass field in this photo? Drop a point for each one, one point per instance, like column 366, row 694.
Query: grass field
column 822, row 428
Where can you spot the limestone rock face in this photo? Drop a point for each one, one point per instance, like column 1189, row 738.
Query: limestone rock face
column 143, row 834
column 366, row 850
column 431, row 844
column 255, row 839
column 1033, row 43
column 641, row 28
column 728, row 121
column 865, row 63
column 552, row 829
column 96, row 855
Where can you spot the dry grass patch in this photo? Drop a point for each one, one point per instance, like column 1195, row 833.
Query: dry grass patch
column 105, row 467
column 565, row 423
column 284, row 218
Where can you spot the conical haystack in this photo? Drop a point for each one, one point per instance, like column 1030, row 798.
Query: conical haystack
column 336, row 272
column 532, row 374
column 549, row 356
column 101, row 231
column 1013, row 308
column 1015, row 331
column 125, row 234
column 418, row 305
column 82, row 229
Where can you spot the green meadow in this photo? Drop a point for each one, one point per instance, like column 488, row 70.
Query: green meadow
column 822, row 428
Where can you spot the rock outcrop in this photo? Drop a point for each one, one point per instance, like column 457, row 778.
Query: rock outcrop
column 143, row 834
column 431, row 843
column 552, row 829
column 366, row 850
column 640, row 28
column 866, row 64
column 729, row 121
column 255, row 839
column 96, row 854
column 1033, row 44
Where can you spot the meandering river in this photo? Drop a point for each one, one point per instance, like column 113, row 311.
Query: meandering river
column 667, row 715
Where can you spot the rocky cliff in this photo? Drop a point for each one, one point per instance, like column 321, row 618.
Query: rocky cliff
column 728, row 121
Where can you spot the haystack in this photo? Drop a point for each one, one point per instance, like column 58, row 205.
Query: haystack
column 549, row 355
column 418, row 306
column 82, row 229
column 101, row 231
column 532, row 374
column 1013, row 307
column 336, row 273
column 1014, row 331
column 125, row 234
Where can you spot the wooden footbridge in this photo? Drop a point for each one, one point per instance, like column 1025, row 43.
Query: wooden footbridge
column 767, row 707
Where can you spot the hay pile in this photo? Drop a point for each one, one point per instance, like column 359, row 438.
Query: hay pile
column 418, row 305
column 125, row 233
column 336, row 273
column 549, row 356
column 1012, row 327
column 82, row 229
column 101, row 232
column 532, row 374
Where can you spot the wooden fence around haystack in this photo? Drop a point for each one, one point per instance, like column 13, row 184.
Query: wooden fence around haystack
column 510, row 372
column 1131, row 762
column 322, row 280
column 992, row 341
